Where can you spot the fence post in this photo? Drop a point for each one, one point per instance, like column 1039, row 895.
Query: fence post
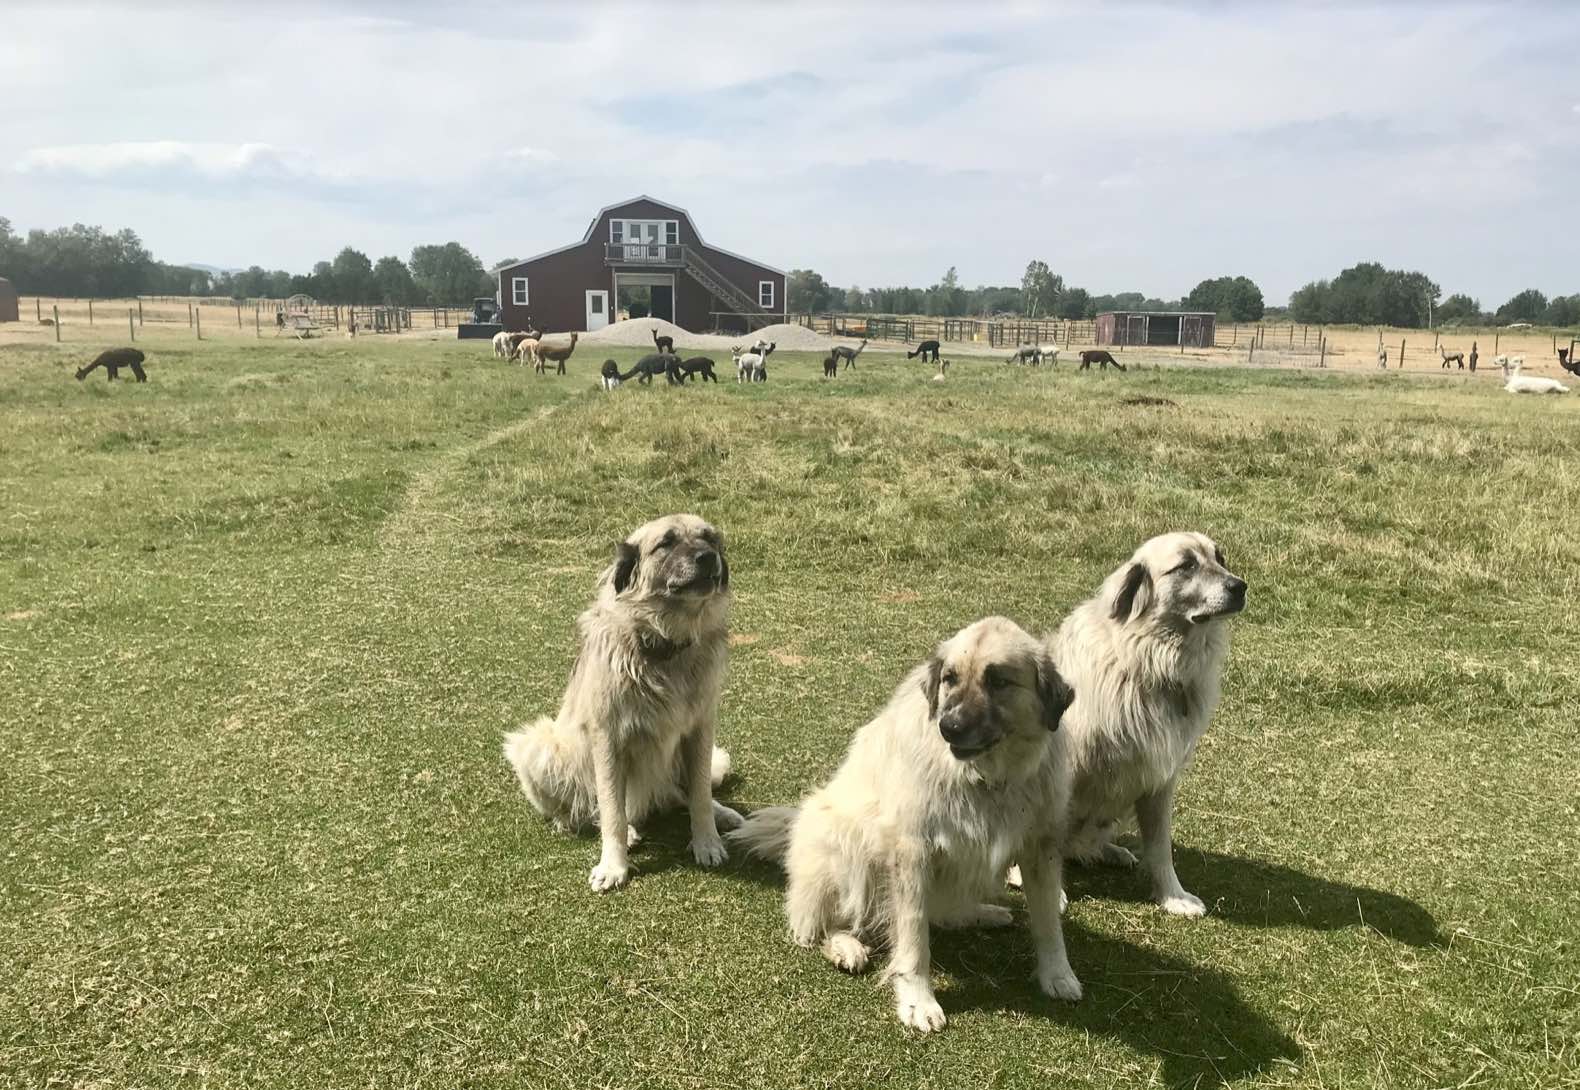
column 198, row 313
column 139, row 312
column 1435, row 336
column 1322, row 348
column 1291, row 334
column 257, row 324
column 131, row 325
column 238, row 315
column 90, row 310
column 1250, row 351
column 1495, row 336
column 55, row 308
column 38, row 310
column 1401, row 353
column 189, row 315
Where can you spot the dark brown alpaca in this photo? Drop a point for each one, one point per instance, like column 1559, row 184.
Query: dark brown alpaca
column 113, row 360
column 1098, row 355
column 665, row 345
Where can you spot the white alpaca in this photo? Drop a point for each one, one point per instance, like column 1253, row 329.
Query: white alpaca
column 1049, row 354
column 749, row 366
column 1382, row 357
column 1525, row 384
column 501, row 345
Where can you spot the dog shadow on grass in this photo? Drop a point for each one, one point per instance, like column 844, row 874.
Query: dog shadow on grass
column 1256, row 893
column 1189, row 1016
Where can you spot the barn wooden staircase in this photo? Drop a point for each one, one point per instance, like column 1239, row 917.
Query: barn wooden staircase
column 727, row 293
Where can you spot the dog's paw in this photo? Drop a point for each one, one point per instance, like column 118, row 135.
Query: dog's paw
column 725, row 818
column 846, row 951
column 1060, row 983
column 709, row 851
column 632, row 837
column 922, row 1014
column 1117, row 855
column 1183, row 904
column 608, row 876
column 1012, row 877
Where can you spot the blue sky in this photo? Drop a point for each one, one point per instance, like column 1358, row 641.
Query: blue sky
column 1131, row 146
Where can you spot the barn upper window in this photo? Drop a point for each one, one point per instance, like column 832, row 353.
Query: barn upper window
column 765, row 294
column 672, row 232
column 518, row 291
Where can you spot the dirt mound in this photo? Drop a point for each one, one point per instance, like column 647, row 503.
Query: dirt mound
column 638, row 333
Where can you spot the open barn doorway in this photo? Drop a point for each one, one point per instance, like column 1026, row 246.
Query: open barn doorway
column 645, row 295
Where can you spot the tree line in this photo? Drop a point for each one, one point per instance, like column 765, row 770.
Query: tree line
column 88, row 262
column 1041, row 293
column 1369, row 294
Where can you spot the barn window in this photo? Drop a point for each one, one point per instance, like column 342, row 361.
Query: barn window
column 672, row 232
column 518, row 291
column 617, row 231
column 765, row 294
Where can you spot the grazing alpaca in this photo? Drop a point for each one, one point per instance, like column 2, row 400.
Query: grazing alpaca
column 925, row 349
column 1524, row 384
column 847, row 354
column 1452, row 357
column 666, row 345
column 1100, row 356
column 1049, row 354
column 610, row 371
column 1568, row 362
column 113, row 360
column 501, row 345
column 649, row 367
column 555, row 355
column 830, row 366
column 526, row 351
column 1382, row 357
column 696, row 365
column 1026, row 353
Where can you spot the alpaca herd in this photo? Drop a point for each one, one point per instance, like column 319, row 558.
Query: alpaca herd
column 751, row 363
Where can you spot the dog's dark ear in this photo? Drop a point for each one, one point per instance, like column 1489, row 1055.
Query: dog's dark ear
column 724, row 572
column 1134, row 593
column 1056, row 696
column 625, row 557
column 935, row 673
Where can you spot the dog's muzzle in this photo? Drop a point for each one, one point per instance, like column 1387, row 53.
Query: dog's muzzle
column 966, row 738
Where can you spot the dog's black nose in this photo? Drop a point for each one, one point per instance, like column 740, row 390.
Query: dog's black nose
column 708, row 562
column 950, row 726
column 1236, row 588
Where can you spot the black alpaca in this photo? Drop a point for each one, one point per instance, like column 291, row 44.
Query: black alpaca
column 113, row 360
column 830, row 366
column 698, row 365
column 649, row 367
column 1567, row 361
column 665, row 344
column 1098, row 355
column 924, row 350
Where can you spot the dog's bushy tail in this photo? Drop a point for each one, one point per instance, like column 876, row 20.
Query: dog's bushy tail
column 766, row 834
column 721, row 765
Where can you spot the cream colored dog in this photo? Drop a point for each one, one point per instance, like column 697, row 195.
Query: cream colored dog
column 955, row 778
column 635, row 729
column 1145, row 657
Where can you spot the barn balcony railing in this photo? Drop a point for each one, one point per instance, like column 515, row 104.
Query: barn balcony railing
column 643, row 253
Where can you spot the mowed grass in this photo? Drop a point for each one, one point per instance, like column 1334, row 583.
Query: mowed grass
column 264, row 619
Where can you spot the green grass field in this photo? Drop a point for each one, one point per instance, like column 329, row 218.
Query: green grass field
column 264, row 619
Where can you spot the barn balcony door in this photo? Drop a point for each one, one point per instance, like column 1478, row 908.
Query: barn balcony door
column 597, row 310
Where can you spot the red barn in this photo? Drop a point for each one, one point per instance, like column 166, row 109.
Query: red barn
column 639, row 258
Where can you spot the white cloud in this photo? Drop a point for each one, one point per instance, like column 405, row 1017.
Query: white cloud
column 167, row 158
column 975, row 136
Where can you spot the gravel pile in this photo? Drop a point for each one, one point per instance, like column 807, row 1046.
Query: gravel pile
column 638, row 333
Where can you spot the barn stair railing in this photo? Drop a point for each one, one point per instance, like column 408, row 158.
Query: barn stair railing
column 726, row 292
